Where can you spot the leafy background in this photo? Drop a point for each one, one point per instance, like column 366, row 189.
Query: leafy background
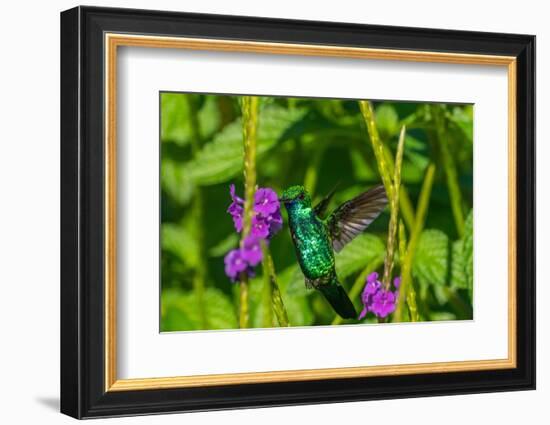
column 317, row 143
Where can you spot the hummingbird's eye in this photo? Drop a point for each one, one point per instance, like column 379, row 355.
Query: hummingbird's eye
column 301, row 196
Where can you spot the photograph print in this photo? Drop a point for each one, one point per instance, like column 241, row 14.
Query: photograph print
column 286, row 211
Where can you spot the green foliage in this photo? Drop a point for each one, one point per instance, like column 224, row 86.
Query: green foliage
column 462, row 118
column 180, row 310
column 176, row 181
column 180, row 241
column 459, row 279
column 356, row 255
column 175, row 125
column 319, row 143
column 223, row 246
column 463, row 261
column 295, row 296
column 431, row 258
column 469, row 251
column 387, row 121
column 222, row 158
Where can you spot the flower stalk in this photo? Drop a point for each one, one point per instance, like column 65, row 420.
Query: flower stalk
column 450, row 169
column 394, row 212
column 407, row 290
column 385, row 163
column 249, row 107
column 377, row 145
column 267, row 309
column 275, row 301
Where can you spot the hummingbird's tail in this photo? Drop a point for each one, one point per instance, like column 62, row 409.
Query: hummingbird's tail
column 336, row 295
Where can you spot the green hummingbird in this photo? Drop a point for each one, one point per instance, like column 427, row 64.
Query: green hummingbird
column 316, row 238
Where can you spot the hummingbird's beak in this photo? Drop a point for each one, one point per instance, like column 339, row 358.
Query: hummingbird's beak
column 284, row 200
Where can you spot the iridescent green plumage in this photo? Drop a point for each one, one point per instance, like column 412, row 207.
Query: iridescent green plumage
column 315, row 239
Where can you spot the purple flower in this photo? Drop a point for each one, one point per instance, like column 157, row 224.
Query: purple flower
column 383, row 303
column 236, row 209
column 251, row 250
column 236, row 212
column 378, row 300
column 266, row 202
column 275, row 222
column 372, row 286
column 234, row 264
column 266, row 220
column 259, row 228
column 234, row 197
column 397, row 282
column 268, row 210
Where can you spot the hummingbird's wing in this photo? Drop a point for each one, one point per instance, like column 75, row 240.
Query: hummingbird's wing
column 354, row 216
column 321, row 208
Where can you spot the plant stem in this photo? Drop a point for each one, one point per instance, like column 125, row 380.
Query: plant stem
column 243, row 301
column 385, row 163
column 275, row 300
column 359, row 283
column 450, row 169
column 250, row 128
column 464, row 310
column 405, row 203
column 197, row 211
column 394, row 211
column 407, row 210
column 267, row 310
column 377, row 146
column 407, row 288
column 399, row 315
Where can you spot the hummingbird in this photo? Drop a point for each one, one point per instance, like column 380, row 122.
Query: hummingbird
column 316, row 238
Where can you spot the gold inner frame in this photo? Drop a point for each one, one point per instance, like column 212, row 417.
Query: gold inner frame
column 113, row 41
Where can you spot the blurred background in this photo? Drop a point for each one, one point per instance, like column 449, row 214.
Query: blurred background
column 318, row 143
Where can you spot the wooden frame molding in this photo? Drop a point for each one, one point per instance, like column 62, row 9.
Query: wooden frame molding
column 114, row 40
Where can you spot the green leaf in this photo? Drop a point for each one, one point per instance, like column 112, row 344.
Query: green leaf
column 458, row 266
column 292, row 282
column 296, row 296
column 441, row 294
column 414, row 154
column 176, row 182
column 431, row 257
column 462, row 267
column 175, row 122
column 173, row 316
column 468, row 250
column 225, row 245
column 387, row 120
column 176, row 117
column 222, row 158
column 437, row 316
column 299, row 311
column 463, row 118
column 180, row 311
column 255, row 302
column 357, row 254
column 180, row 241
column 411, row 173
column 362, row 171
column 209, row 117
column 219, row 310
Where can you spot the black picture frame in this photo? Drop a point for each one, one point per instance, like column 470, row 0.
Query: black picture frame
column 82, row 214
